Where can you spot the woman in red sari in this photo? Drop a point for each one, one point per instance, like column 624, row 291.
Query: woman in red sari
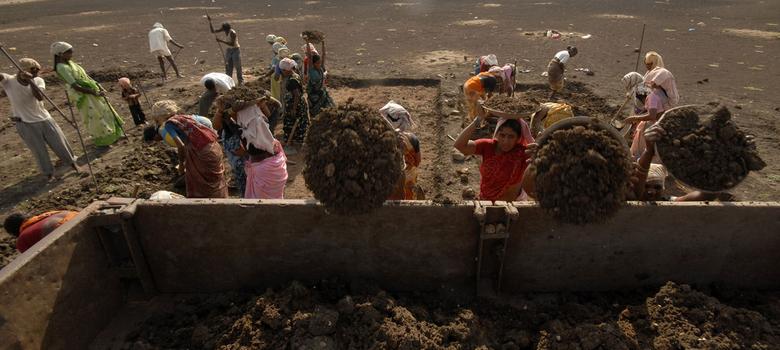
column 200, row 155
column 504, row 157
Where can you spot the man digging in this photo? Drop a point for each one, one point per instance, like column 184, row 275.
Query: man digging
column 158, row 45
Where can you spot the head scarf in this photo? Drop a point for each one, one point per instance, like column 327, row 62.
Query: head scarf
column 59, row 48
column 632, row 82
column 297, row 58
column 655, row 59
column 284, row 52
column 124, row 82
column 525, row 138
column 489, row 60
column 28, row 63
column 287, row 64
column 664, row 78
column 157, row 25
column 276, row 46
column 164, row 108
column 271, row 39
column 281, row 40
column 657, row 175
column 397, row 116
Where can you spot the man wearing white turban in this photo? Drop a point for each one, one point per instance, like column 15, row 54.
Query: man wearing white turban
column 33, row 122
column 158, row 45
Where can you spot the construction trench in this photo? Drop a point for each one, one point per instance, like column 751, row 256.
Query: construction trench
column 139, row 274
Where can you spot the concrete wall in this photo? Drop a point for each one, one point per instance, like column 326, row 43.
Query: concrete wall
column 736, row 244
column 60, row 293
column 261, row 244
column 423, row 247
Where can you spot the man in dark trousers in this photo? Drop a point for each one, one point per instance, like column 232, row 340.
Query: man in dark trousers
column 233, row 51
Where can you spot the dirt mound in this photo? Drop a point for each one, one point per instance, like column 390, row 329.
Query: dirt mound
column 583, row 100
column 710, row 153
column 149, row 167
column 352, row 158
column 112, row 74
column 512, row 105
column 336, row 315
column 582, row 174
column 687, row 319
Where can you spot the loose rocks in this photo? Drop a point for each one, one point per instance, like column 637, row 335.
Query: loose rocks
column 710, row 154
column 353, row 159
column 582, row 174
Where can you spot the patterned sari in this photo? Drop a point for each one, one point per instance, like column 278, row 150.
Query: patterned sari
column 100, row 118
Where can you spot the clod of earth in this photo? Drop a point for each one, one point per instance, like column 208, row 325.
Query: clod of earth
column 353, row 159
column 712, row 153
column 582, row 174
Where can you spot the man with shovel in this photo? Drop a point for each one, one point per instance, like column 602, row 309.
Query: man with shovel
column 158, row 45
column 233, row 51
column 33, row 122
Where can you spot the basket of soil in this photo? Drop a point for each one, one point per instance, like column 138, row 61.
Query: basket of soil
column 353, row 160
column 582, row 170
column 242, row 94
column 704, row 148
column 508, row 107
column 313, row 36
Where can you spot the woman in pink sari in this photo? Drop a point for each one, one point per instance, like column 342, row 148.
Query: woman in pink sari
column 663, row 96
column 266, row 163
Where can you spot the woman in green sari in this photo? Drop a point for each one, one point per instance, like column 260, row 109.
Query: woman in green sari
column 100, row 118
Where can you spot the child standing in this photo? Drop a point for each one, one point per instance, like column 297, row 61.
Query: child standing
column 130, row 94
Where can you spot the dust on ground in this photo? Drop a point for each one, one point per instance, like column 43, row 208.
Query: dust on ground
column 336, row 315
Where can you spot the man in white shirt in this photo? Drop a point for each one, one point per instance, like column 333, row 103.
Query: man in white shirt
column 158, row 45
column 33, row 122
column 557, row 67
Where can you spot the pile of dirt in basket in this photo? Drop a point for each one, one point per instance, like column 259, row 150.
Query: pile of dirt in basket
column 243, row 93
column 582, row 174
column 353, row 159
column 511, row 105
column 334, row 315
column 709, row 153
